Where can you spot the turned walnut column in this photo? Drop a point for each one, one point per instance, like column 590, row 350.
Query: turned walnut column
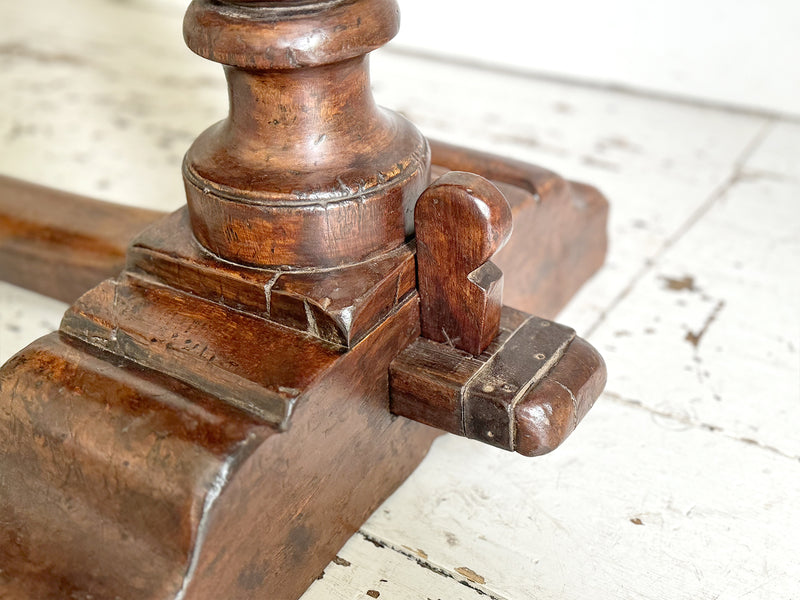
column 306, row 170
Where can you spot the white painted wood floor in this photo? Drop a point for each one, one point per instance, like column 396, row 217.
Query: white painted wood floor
column 684, row 480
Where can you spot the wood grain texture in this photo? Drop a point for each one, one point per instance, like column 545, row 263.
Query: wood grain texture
column 525, row 393
column 131, row 458
column 306, row 171
column 299, row 34
column 339, row 305
column 461, row 221
column 202, row 343
column 363, row 455
column 61, row 244
column 183, row 484
column 560, row 227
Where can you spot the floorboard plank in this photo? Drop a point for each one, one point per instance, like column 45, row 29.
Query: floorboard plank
column 711, row 335
column 368, row 567
column 635, row 505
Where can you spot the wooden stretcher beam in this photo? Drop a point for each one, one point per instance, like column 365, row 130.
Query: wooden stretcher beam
column 61, row 244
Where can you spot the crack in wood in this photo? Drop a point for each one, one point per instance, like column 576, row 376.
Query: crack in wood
column 427, row 564
column 694, row 338
column 696, row 424
column 720, row 192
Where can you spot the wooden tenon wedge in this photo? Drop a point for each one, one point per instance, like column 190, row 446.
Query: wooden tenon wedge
column 216, row 420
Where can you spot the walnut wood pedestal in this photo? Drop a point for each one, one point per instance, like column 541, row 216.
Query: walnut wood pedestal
column 214, row 421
